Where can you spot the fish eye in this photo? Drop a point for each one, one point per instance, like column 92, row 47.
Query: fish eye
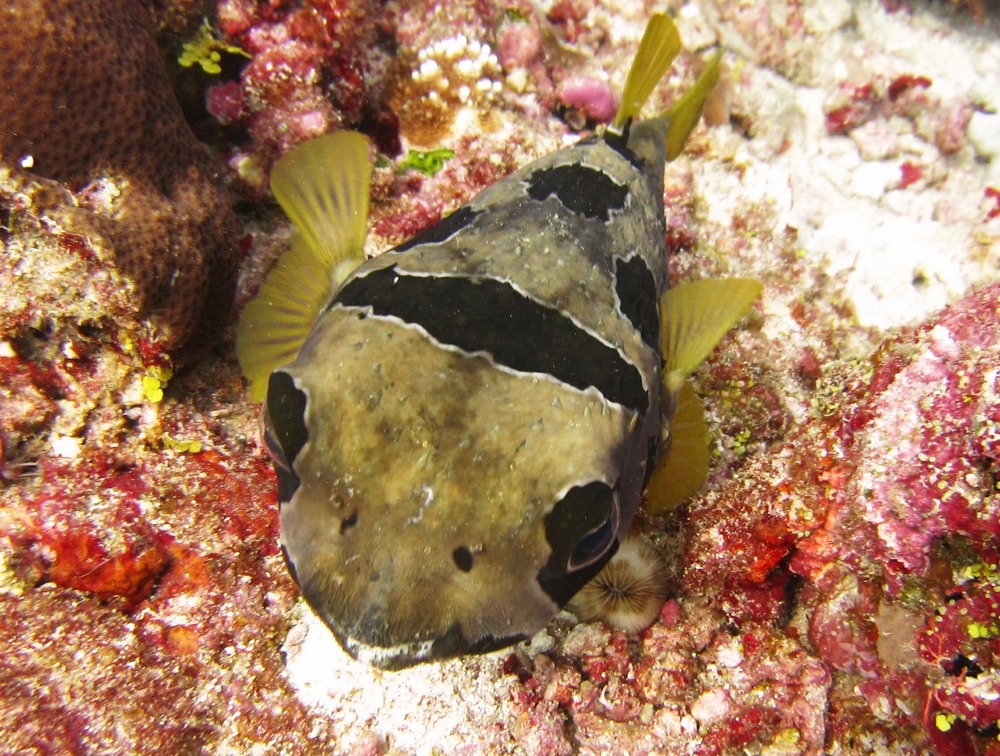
column 596, row 543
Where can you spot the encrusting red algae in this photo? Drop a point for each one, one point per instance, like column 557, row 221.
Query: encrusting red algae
column 836, row 583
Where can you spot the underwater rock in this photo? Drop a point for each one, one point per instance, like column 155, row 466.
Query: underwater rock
column 142, row 596
column 114, row 212
column 920, row 446
column 313, row 67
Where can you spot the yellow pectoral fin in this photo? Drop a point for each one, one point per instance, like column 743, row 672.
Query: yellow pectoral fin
column 684, row 114
column 659, row 46
column 682, row 471
column 695, row 317
column 322, row 185
column 277, row 321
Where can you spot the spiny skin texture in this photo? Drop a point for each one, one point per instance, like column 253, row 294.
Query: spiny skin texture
column 87, row 98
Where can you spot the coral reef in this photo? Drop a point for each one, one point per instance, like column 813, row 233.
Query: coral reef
column 313, row 67
column 144, row 598
column 444, row 77
column 835, row 585
column 136, row 233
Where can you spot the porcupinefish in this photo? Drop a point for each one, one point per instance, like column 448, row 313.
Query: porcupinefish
column 462, row 427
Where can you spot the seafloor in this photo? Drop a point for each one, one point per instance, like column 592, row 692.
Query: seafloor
column 836, row 583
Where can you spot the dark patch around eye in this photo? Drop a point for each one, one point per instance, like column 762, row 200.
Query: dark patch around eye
column 286, row 407
column 582, row 510
column 463, row 558
column 288, row 484
column 348, row 522
column 636, row 289
column 492, row 316
column 442, row 230
column 583, row 190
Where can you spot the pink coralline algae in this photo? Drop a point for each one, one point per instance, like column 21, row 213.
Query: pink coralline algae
column 912, row 525
column 143, row 599
column 592, row 97
column 854, row 103
column 926, row 443
column 846, row 576
column 314, row 67
column 683, row 682
column 519, row 43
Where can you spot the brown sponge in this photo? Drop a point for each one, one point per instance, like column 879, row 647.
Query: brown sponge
column 87, row 103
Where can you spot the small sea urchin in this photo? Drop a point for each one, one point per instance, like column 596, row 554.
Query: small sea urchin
column 629, row 592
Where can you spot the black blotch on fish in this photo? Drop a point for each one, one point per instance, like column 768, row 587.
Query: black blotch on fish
column 485, row 315
column 348, row 522
column 288, row 484
column 286, row 407
column 463, row 558
column 619, row 143
column 581, row 513
column 637, row 297
column 453, row 643
column 590, row 192
column 289, row 564
column 441, row 231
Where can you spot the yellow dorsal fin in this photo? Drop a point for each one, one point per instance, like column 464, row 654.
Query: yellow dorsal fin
column 683, row 470
column 322, row 185
column 659, row 46
column 684, row 114
column 696, row 315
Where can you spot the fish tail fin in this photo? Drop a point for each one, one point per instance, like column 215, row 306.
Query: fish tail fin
column 695, row 316
column 659, row 46
column 322, row 185
column 683, row 470
column 683, row 115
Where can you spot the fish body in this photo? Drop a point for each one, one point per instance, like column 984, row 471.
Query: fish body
column 526, row 342
column 467, row 427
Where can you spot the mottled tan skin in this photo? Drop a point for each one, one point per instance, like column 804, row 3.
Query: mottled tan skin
column 434, row 448
column 434, row 452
